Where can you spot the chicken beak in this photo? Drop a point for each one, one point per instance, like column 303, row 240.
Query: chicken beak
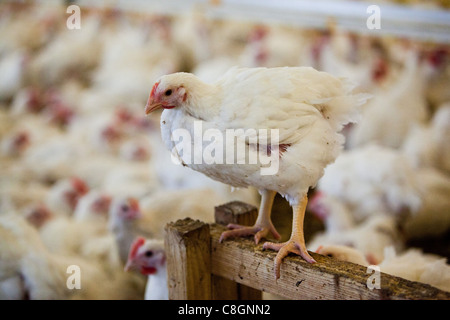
column 150, row 107
column 129, row 266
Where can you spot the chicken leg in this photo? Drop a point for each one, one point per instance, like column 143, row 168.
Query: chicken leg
column 296, row 243
column 263, row 224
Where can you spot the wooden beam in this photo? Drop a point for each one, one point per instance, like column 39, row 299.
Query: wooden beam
column 242, row 261
column 226, row 289
column 188, row 247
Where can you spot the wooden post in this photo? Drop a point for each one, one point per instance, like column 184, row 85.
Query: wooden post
column 188, row 250
column 223, row 288
column 236, row 212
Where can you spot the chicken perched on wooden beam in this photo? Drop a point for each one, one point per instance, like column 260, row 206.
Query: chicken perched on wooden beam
column 282, row 122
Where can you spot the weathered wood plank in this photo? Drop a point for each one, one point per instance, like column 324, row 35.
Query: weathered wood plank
column 242, row 261
column 226, row 289
column 188, row 246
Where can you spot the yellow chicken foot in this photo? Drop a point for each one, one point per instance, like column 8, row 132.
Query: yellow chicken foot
column 296, row 244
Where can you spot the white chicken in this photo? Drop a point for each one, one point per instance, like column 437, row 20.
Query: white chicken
column 37, row 274
column 432, row 219
column 305, row 107
column 51, row 160
column 138, row 60
column 427, row 145
column 403, row 100
column 72, row 53
column 64, row 235
column 126, row 222
column 341, row 54
column 93, row 207
column 14, row 144
column 38, row 215
column 85, row 235
column 373, row 179
column 332, row 212
column 18, row 194
column 415, row 265
column 149, row 258
column 370, row 237
column 274, row 46
column 28, row 28
column 63, row 196
column 12, row 71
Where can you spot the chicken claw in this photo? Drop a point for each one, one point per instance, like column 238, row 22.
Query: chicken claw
column 283, row 249
column 263, row 225
column 242, row 231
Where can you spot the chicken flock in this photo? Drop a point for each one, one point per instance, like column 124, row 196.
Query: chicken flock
column 86, row 180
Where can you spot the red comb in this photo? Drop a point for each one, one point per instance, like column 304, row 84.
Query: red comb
column 123, row 114
column 79, row 185
column 258, row 33
column 135, row 247
column 437, row 57
column 319, row 248
column 22, row 138
column 155, row 86
column 134, row 204
column 380, row 70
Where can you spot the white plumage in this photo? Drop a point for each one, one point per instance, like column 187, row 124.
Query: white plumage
column 373, row 179
column 432, row 219
column 12, row 71
column 426, row 145
column 334, row 213
column 403, row 100
column 300, row 102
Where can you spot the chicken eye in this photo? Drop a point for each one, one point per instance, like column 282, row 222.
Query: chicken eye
column 124, row 207
column 330, row 255
column 148, row 254
column 168, row 92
